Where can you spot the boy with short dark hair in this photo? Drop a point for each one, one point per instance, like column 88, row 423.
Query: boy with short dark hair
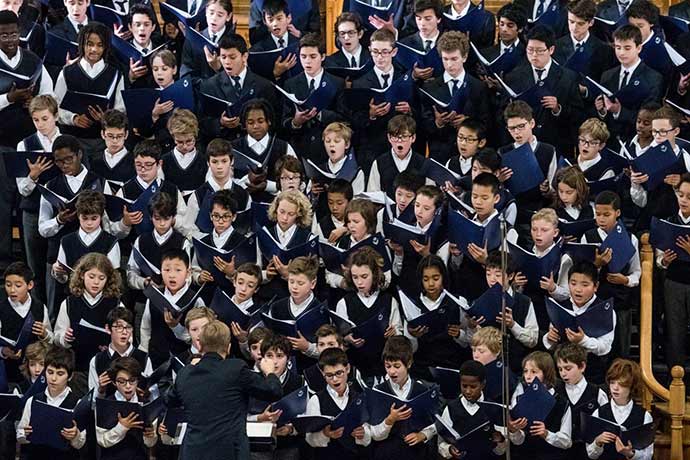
column 59, row 365
column 349, row 31
column 306, row 125
column 402, row 131
column 427, row 16
column 583, row 396
column 470, row 137
column 115, row 164
column 141, row 24
column 331, row 226
column 275, row 14
column 261, row 20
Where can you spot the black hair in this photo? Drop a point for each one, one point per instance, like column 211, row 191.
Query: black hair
column 408, row 180
column 543, row 34
column 163, row 204
column 257, row 104
column 473, row 368
column 104, row 33
column 273, row 7
column 586, row 268
column 19, row 269
column 474, row 124
column 176, row 254
column 66, row 141
column 489, row 158
column 333, row 357
column 432, row 261
column 140, row 8
column 341, row 186
column 60, row 358
column 486, row 179
column 494, row 261
column 148, row 148
column 225, row 200
column 233, row 41
column 610, row 198
column 643, row 9
column 513, row 13
column 119, row 313
column 8, row 17
column 312, row 40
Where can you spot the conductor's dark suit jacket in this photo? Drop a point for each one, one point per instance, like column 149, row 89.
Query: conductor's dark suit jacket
column 215, row 394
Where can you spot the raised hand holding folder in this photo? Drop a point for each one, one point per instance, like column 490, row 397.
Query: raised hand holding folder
column 408, row 57
column 448, row 381
column 455, row 104
column 665, row 235
column 107, row 411
column 58, row 49
column 158, row 300
column 535, row 267
column 534, row 404
column 292, row 405
column 490, row 304
column 335, row 258
column 366, row 9
column 463, row 231
column 435, row 321
column 655, row 162
column 526, row 171
column 502, row 64
column 191, row 19
column 205, row 254
column 318, row 99
column 228, row 312
column 140, row 102
column 25, row 334
column 620, row 243
column 423, row 406
column 262, row 62
column 270, row 247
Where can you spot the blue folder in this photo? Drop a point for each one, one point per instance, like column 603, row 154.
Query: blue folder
column 90, row 336
column 270, row 247
column 408, row 56
column 471, row 23
column 24, row 336
column 56, row 201
column 79, row 102
column 319, row 99
column 21, row 80
column 147, row 268
column 673, row 27
column 440, row 174
column 125, row 51
column 139, row 102
column 10, row 406
column 351, row 73
column 292, row 405
column 366, row 9
column 107, row 410
column 262, row 62
column 448, row 381
column 243, row 252
column 372, row 331
column 490, row 304
column 158, row 300
column 474, row 435
column 618, row 160
column 436, row 321
column 656, row 162
column 347, row 172
column 640, row 437
column 463, row 231
column 502, row 64
column 174, row 417
column 663, row 236
column 534, row 267
column 189, row 20
column 334, row 258
column 662, row 57
column 576, row 228
column 534, row 404
column 198, row 41
column 581, row 251
column 107, row 16
column 610, row 184
column 46, row 424
column 258, row 215
column 307, row 323
column 455, row 104
column 493, row 391
column 57, row 49
column 215, row 106
column 152, row 411
column 402, row 233
column 631, row 95
column 526, row 171
column 39, row 386
column 15, row 163
column 595, row 322
column 355, row 415
column 423, row 406
column 620, row 243
column 401, row 90
column 83, row 411
column 114, row 205
column 311, row 423
column 229, row 313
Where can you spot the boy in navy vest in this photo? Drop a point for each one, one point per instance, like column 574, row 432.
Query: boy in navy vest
column 125, row 441
column 115, row 164
column 19, row 282
column 54, row 223
column 584, row 283
column 619, row 286
column 386, row 167
column 466, row 413
column 327, row 336
column 44, row 110
column 584, row 397
column 59, row 366
column 331, row 401
column 220, row 164
column 120, row 325
column 331, row 225
column 184, row 166
column 152, row 245
column 677, row 282
column 162, row 334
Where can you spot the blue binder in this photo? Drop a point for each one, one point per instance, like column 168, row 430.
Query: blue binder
column 595, row 322
column 189, row 20
column 57, row 49
column 436, row 320
column 455, row 104
column 25, row 335
column 270, row 247
column 576, row 228
column 656, row 162
column 500, row 65
column 448, row 381
column 107, row 16
column 198, row 41
column 158, row 300
column 139, row 102
column 463, row 231
column 423, row 406
column 56, row 201
column 440, row 174
column 579, row 60
column 526, row 171
column 493, row 391
column 618, row 240
column 229, row 313
column 355, row 415
column 319, row 99
column 490, row 304
column 534, row 404
column 307, row 323
column 640, row 437
column 243, row 252
column 292, row 405
column 262, row 62
column 402, row 233
column 475, row 436
column 581, row 251
column 673, row 27
column 46, row 423
column 21, row 80
column 146, row 268
column 408, row 56
column 366, row 9
column 401, row 90
column 348, row 170
column 534, row 267
column 107, row 410
column 471, row 23
column 15, row 163
column 548, row 18
column 215, row 106
column 334, row 258
column 90, row 336
column 351, row 73
column 664, row 234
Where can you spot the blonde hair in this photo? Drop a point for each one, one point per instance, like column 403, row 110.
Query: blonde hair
column 182, row 122
column 595, row 128
column 304, row 265
column 304, row 211
column 100, row 263
column 43, row 102
column 547, row 215
column 340, row 129
column 490, row 337
column 199, row 313
column 215, row 338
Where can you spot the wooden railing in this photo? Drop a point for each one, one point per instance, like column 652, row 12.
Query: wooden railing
column 675, row 395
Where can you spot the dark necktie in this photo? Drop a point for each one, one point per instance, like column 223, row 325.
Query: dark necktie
column 144, row 50
column 79, row 27
column 427, row 46
column 213, row 37
column 539, row 72
column 353, row 62
column 312, row 85
column 540, row 9
column 385, row 77
column 622, row 6
column 624, row 79
column 455, row 86
column 578, row 46
column 193, row 7
column 281, row 43
column 236, row 83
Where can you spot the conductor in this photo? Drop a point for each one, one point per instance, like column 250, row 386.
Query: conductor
column 215, row 394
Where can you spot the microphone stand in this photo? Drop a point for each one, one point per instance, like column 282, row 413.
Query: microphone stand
column 505, row 349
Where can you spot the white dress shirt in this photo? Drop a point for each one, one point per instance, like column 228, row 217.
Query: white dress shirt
column 586, row 164
column 109, row 437
column 318, row 439
column 47, row 216
column 471, row 408
column 77, row 443
column 394, row 319
column 621, row 414
column 179, row 330
column 22, row 309
column 45, row 86
column 401, row 164
column 561, row 438
column 576, row 390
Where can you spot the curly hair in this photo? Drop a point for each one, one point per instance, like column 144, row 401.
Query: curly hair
column 102, row 263
column 367, row 256
column 304, row 210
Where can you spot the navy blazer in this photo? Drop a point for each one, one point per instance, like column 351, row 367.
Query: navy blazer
column 487, row 31
column 221, row 86
column 442, row 142
column 560, row 130
column 309, row 22
column 602, row 57
column 680, row 10
column 338, row 59
column 561, row 26
column 215, row 395
column 194, row 61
